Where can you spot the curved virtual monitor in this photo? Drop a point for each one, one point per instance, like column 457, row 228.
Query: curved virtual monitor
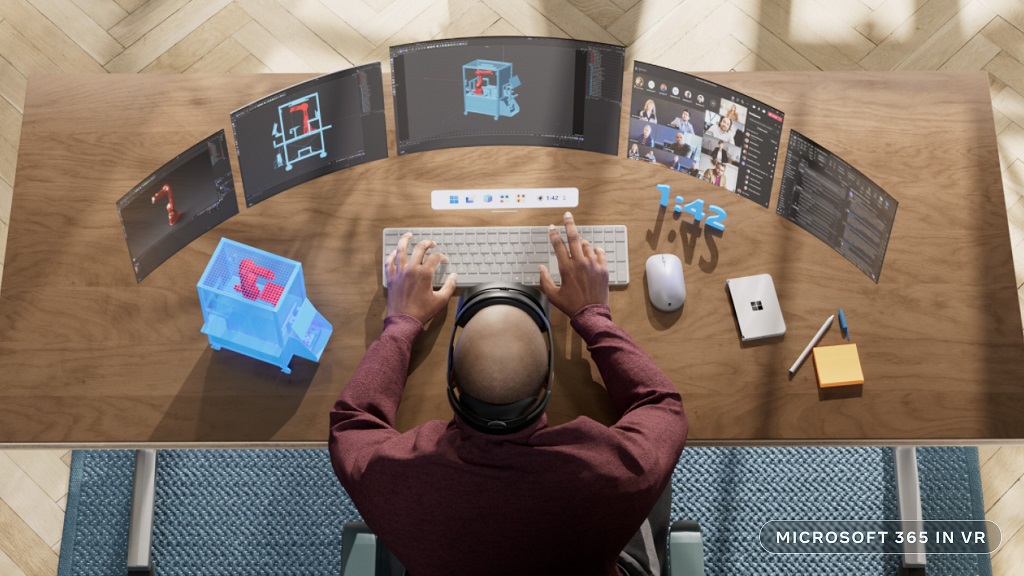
column 309, row 130
column 177, row 204
column 708, row 131
column 836, row 203
column 507, row 91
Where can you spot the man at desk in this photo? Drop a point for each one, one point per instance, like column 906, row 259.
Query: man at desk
column 452, row 498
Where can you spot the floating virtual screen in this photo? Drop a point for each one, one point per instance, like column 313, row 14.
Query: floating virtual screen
column 177, row 204
column 708, row 131
column 507, row 91
column 836, row 203
column 311, row 129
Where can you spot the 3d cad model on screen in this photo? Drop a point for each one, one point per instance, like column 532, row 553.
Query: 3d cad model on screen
column 489, row 88
column 299, row 131
column 172, row 214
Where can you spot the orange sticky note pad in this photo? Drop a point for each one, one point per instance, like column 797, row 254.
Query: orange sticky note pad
column 837, row 365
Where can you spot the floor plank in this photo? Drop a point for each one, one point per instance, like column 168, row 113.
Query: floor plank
column 1006, row 36
column 275, row 55
column 221, row 59
column 3, row 249
column 1011, row 144
column 45, row 468
column 8, row 160
column 886, row 18
column 12, row 85
column 1011, row 103
column 1008, row 512
column 250, row 65
column 1010, row 10
column 911, row 34
column 949, row 39
column 47, row 38
column 1004, row 469
column 22, row 54
column 472, row 22
column 132, row 28
column 973, row 55
column 165, row 35
column 8, row 567
column 331, row 28
column 524, row 18
column 10, row 121
column 1007, row 70
column 106, row 13
column 603, row 12
column 30, row 502
column 1010, row 557
column 200, row 41
column 6, row 195
column 23, row 545
column 82, row 29
column 292, row 33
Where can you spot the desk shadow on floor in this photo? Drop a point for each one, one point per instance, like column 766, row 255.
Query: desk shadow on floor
column 229, row 397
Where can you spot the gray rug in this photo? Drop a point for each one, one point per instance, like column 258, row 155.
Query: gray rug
column 241, row 512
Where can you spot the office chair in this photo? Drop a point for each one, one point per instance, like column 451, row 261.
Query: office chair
column 362, row 554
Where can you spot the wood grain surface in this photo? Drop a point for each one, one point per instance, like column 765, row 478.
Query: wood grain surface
column 88, row 356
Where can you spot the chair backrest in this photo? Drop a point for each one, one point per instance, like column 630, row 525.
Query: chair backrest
column 362, row 554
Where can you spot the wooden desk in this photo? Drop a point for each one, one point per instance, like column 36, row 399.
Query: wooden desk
column 88, row 356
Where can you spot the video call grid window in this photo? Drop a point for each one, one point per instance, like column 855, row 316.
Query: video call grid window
column 836, row 203
column 309, row 130
column 507, row 91
column 177, row 203
column 695, row 126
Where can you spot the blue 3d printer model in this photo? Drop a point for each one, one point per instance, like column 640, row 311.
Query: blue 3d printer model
column 489, row 88
column 254, row 303
column 299, row 131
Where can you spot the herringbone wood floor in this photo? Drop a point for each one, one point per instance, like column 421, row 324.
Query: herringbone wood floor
column 246, row 36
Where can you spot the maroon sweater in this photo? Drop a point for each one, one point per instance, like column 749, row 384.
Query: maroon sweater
column 561, row 500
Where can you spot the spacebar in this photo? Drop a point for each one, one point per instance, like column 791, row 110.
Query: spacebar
column 464, row 280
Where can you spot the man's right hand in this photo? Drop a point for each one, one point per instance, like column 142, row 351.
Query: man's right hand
column 584, row 271
column 410, row 281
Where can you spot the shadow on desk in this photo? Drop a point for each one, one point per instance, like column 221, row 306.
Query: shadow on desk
column 234, row 398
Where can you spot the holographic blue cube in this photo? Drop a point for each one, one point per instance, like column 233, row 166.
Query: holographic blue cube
column 254, row 303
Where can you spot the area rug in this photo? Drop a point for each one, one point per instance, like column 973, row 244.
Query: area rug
column 242, row 512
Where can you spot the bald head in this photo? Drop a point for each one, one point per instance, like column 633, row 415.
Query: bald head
column 501, row 356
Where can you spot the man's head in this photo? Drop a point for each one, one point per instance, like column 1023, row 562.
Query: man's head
column 685, row 116
column 679, row 138
column 725, row 124
column 501, row 356
column 647, row 130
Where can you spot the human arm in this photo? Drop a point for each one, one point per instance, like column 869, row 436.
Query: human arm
column 640, row 391
column 364, row 414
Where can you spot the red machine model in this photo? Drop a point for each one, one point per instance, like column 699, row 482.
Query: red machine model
column 172, row 214
column 480, row 80
column 248, row 273
column 304, row 108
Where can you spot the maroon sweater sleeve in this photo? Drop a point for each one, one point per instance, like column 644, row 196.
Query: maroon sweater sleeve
column 652, row 416
column 364, row 415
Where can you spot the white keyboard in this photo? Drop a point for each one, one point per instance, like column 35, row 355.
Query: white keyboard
column 510, row 253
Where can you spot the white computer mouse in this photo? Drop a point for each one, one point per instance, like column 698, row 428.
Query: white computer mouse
column 666, row 288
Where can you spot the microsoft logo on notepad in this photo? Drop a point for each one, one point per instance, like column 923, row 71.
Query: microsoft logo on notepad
column 756, row 305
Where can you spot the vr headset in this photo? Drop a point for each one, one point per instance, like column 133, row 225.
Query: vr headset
column 517, row 415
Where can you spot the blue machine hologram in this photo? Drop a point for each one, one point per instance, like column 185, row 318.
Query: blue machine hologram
column 489, row 88
column 254, row 303
column 299, row 137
